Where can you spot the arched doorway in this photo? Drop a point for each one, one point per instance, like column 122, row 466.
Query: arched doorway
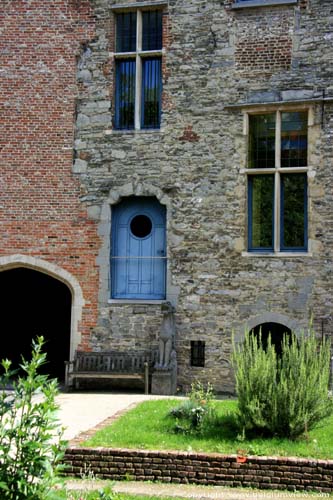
column 34, row 303
column 276, row 331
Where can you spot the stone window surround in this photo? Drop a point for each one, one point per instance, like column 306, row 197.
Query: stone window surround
column 105, row 231
column 274, row 108
column 261, row 3
column 139, row 7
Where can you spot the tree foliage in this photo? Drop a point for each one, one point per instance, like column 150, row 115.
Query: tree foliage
column 30, row 439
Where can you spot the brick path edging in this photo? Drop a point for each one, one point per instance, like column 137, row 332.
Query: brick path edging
column 280, row 473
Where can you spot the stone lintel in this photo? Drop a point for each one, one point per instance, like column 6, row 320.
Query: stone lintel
column 138, row 5
column 275, row 104
column 261, row 3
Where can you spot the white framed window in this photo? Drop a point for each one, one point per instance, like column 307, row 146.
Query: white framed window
column 277, row 169
column 138, row 68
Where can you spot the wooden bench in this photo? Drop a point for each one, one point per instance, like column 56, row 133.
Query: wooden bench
column 108, row 365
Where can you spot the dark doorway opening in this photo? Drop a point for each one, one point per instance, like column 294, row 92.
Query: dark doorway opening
column 34, row 304
column 277, row 333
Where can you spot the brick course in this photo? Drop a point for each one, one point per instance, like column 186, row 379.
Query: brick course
column 278, row 473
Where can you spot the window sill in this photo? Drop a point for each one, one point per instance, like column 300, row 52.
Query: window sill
column 277, row 254
column 133, row 131
column 261, row 3
column 137, row 301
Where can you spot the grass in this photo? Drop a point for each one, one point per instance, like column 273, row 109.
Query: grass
column 94, row 495
column 97, row 493
column 148, row 426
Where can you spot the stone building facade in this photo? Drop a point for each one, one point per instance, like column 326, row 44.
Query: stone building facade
column 227, row 69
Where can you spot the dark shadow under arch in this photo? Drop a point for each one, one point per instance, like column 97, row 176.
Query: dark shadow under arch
column 277, row 332
column 34, row 303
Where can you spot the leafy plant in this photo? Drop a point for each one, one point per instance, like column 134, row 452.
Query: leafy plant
column 195, row 413
column 30, row 438
column 283, row 396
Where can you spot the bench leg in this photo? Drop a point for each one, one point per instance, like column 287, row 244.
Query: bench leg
column 146, row 377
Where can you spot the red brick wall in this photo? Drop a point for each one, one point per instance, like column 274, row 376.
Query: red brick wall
column 276, row 473
column 40, row 211
column 271, row 53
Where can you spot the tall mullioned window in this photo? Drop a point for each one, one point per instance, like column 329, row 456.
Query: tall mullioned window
column 277, row 181
column 138, row 69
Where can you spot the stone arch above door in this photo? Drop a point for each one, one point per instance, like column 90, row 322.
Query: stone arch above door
column 117, row 194
column 19, row 260
column 267, row 317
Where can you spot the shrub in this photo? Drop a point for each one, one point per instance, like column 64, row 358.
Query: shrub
column 30, row 440
column 284, row 396
column 197, row 412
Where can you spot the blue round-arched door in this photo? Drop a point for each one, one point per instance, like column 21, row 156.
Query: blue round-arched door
column 138, row 249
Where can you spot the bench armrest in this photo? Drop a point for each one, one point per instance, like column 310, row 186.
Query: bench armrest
column 68, row 370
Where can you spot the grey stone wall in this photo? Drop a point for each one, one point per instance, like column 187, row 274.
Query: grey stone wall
column 194, row 166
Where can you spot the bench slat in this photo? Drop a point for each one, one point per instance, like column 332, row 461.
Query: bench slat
column 110, row 364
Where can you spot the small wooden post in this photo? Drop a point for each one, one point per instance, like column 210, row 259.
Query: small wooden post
column 146, row 377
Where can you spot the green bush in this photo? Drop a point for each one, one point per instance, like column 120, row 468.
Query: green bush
column 197, row 412
column 30, row 439
column 283, row 396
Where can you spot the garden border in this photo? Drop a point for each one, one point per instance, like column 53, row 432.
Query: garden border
column 278, row 473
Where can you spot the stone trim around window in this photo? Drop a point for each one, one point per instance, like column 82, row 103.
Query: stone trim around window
column 277, row 172
column 138, row 64
column 261, row 3
column 138, row 5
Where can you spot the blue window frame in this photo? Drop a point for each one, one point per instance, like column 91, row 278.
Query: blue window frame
column 126, row 32
column 125, row 94
column 259, row 3
column 293, row 212
column 138, row 55
column 261, row 213
column 277, row 182
column 151, row 93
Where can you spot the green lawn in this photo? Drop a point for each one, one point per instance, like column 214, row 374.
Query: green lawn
column 148, row 426
column 99, row 494
column 94, row 495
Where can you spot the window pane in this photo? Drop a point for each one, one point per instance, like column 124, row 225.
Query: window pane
column 152, row 30
column 126, row 32
column 294, row 140
column 262, row 141
column 261, row 202
column 293, row 211
column 125, row 94
column 151, row 92
column 197, row 353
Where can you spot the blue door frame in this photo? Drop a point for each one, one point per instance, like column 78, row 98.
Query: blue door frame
column 138, row 249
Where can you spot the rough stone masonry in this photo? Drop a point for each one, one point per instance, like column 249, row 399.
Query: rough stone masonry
column 65, row 166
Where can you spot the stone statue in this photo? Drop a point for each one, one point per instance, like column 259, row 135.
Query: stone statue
column 164, row 377
column 167, row 336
